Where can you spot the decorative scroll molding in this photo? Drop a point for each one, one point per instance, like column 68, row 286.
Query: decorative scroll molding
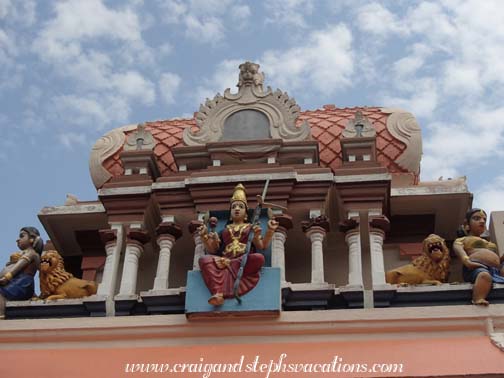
column 403, row 126
column 359, row 126
column 140, row 140
column 104, row 148
column 281, row 110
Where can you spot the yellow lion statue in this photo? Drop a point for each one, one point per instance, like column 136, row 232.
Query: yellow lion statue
column 57, row 283
column 432, row 267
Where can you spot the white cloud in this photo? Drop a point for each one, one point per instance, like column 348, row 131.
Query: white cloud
column 165, row 49
column 240, row 13
column 84, row 20
column 208, row 30
column 420, row 96
column 288, row 12
column 90, row 111
column 203, row 20
column 325, row 62
column 460, row 79
column 71, row 140
column 490, row 197
column 453, row 74
column 224, row 76
column 210, row 7
column 168, row 86
column 412, row 63
column 11, row 72
column 174, row 10
column 93, row 47
column 18, row 12
column 134, row 86
column 446, row 150
column 374, row 18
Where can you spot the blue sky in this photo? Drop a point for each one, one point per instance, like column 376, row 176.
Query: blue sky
column 72, row 70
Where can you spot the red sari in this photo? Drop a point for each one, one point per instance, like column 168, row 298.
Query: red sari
column 221, row 269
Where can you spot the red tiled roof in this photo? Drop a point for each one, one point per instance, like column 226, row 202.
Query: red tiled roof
column 326, row 127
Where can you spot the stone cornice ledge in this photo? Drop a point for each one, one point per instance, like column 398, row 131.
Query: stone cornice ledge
column 305, row 177
column 125, row 190
column 329, row 325
column 362, row 178
column 428, row 190
column 87, row 208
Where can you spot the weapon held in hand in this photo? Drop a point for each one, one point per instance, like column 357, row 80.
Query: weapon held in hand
column 255, row 219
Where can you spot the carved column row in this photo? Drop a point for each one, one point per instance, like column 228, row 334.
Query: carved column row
column 135, row 239
column 378, row 226
column 168, row 232
column 315, row 229
column 278, row 244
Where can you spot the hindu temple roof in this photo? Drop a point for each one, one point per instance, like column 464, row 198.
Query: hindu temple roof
column 397, row 134
column 326, row 126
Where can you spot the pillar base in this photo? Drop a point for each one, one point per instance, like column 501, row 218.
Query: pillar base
column 128, row 304
column 96, row 305
column 164, row 301
column 308, row 296
column 62, row 308
column 353, row 295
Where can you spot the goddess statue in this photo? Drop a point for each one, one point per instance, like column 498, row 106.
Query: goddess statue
column 227, row 249
column 479, row 256
column 16, row 278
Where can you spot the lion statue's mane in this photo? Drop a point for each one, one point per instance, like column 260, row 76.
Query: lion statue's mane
column 423, row 269
column 57, row 283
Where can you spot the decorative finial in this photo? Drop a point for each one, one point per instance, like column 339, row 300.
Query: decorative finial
column 359, row 127
column 142, row 139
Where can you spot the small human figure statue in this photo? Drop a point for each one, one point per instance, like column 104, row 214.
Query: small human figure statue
column 479, row 256
column 16, row 279
column 226, row 250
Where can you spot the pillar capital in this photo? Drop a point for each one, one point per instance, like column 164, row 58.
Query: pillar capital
column 108, row 236
column 169, row 228
column 320, row 222
column 284, row 222
column 350, row 224
column 379, row 222
column 137, row 236
column 194, row 225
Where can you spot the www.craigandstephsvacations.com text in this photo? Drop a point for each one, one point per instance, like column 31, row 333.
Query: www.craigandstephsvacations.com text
column 269, row 368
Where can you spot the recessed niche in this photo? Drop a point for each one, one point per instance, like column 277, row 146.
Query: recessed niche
column 246, row 125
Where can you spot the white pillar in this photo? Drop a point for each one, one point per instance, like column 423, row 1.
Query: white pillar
column 109, row 278
column 377, row 265
column 278, row 252
column 199, row 250
column 130, row 270
column 352, row 239
column 165, row 243
column 316, row 236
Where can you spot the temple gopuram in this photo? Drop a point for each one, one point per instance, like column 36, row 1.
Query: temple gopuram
column 258, row 239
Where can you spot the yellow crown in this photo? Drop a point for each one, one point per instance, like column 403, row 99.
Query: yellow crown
column 239, row 194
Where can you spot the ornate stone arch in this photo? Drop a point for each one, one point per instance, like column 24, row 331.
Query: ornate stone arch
column 280, row 110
